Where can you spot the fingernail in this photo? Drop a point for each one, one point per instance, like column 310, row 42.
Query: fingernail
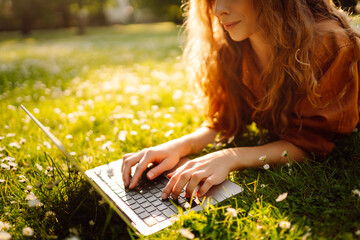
column 164, row 196
column 150, row 175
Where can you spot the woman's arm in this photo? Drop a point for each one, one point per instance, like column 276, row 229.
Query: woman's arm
column 245, row 157
column 166, row 155
column 213, row 168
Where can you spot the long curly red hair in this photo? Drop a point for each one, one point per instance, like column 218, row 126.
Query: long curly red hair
column 214, row 61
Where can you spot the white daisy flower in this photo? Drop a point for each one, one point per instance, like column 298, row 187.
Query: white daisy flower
column 284, row 154
column 356, row 192
column 47, row 144
column 186, row 233
column 28, row 231
column 266, row 166
column 168, row 133
column 262, row 158
column 4, row 235
column 285, row 224
column 232, row 212
column 281, row 197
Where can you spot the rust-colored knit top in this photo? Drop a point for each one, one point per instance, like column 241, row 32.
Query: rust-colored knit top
column 318, row 127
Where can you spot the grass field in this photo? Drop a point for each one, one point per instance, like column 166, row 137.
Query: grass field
column 118, row 90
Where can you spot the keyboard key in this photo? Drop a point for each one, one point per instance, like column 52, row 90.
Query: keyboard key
column 131, row 202
column 150, row 221
column 141, row 200
column 160, row 218
column 185, row 205
column 130, row 192
column 146, row 205
column 155, row 190
column 151, row 209
column 144, row 215
column 158, row 195
column 168, row 212
column 152, row 199
column 155, row 213
column 120, row 191
column 164, row 180
column 173, row 208
column 161, row 185
column 139, row 210
column 143, row 191
column 156, row 203
column 135, row 206
column 137, row 196
column 125, row 197
column 182, row 200
column 148, row 194
column 162, row 207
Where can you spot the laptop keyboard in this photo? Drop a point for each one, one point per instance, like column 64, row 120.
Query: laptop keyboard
column 145, row 199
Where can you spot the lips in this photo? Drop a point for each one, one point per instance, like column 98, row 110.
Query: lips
column 230, row 25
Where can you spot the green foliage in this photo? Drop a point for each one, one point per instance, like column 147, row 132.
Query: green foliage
column 165, row 10
column 40, row 14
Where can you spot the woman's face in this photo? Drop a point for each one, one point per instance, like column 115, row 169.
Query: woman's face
column 239, row 17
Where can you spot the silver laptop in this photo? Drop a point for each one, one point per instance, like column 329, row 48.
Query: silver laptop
column 142, row 208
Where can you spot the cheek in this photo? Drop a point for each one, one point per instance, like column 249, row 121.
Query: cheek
column 250, row 13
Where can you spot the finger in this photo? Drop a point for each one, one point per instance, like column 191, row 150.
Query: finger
column 195, row 180
column 168, row 188
column 125, row 157
column 173, row 179
column 183, row 179
column 166, row 164
column 208, row 183
column 171, row 174
column 127, row 165
column 147, row 158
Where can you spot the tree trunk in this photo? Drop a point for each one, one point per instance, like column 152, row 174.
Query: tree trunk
column 82, row 18
column 26, row 23
column 65, row 13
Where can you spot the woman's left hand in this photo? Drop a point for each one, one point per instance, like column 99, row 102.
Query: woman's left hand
column 211, row 169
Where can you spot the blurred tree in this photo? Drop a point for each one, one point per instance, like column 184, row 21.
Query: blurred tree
column 26, row 12
column 164, row 10
column 64, row 9
column 81, row 17
column 100, row 12
column 24, row 15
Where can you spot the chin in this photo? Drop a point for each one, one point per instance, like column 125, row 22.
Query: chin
column 238, row 38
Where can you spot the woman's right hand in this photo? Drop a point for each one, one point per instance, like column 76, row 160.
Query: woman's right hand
column 166, row 156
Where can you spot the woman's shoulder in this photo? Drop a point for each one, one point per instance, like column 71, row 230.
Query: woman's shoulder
column 330, row 39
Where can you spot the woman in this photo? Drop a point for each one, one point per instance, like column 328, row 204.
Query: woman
column 291, row 66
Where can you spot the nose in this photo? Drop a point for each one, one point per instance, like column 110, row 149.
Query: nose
column 221, row 8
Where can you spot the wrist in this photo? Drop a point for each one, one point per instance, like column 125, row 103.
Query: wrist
column 179, row 146
column 232, row 157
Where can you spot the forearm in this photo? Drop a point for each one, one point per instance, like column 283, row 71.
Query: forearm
column 247, row 157
column 194, row 142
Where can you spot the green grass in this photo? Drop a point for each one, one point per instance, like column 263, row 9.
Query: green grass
column 89, row 90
